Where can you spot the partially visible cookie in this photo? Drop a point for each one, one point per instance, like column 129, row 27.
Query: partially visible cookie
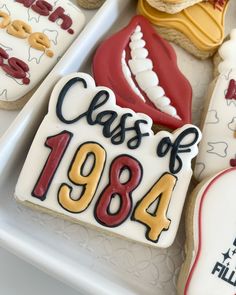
column 175, row 6
column 90, row 4
column 141, row 68
column 33, row 37
column 172, row 6
column 218, row 145
column 199, row 29
column 210, row 262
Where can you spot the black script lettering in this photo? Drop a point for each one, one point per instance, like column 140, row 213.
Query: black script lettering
column 176, row 148
column 113, row 127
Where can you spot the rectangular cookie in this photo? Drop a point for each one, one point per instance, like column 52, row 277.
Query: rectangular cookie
column 33, row 37
column 97, row 163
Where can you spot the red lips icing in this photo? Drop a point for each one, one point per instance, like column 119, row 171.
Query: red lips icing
column 107, row 70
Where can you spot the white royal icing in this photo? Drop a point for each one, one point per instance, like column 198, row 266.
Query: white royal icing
column 39, row 63
column 128, row 76
column 142, row 68
column 77, row 102
column 227, row 53
column 214, row 270
column 218, row 145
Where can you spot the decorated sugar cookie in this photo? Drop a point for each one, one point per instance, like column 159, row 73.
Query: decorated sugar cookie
column 34, row 34
column 218, row 145
column 199, row 28
column 211, row 241
column 175, row 6
column 141, row 68
column 100, row 164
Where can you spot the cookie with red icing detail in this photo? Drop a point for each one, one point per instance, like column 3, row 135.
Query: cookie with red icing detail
column 95, row 165
column 34, row 34
column 210, row 263
column 141, row 68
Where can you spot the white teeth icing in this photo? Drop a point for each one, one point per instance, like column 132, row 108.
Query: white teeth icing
column 155, row 92
column 137, row 36
column 142, row 68
column 147, row 79
column 128, row 76
column 137, row 44
column 170, row 110
column 139, row 65
column 139, row 53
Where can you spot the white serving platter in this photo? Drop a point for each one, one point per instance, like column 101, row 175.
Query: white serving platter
column 90, row 261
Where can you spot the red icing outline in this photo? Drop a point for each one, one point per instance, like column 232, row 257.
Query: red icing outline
column 108, row 72
column 218, row 4
column 213, row 181
column 124, row 190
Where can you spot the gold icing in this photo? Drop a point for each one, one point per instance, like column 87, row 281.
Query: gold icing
column 40, row 42
column 22, row 30
column 5, row 21
column 89, row 182
column 158, row 221
column 201, row 23
column 19, row 29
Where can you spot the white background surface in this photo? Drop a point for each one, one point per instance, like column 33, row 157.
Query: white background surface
column 73, row 252
column 18, row 277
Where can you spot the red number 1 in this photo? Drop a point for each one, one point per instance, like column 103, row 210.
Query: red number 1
column 58, row 145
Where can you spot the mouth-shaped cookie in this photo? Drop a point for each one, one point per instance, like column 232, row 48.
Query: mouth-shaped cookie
column 202, row 23
column 141, row 68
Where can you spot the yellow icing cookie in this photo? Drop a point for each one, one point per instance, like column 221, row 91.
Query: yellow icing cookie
column 201, row 24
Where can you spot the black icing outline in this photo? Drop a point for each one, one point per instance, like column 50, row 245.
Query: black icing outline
column 234, row 243
column 130, row 193
column 137, row 204
column 62, row 96
column 84, row 186
column 95, row 104
column 176, row 148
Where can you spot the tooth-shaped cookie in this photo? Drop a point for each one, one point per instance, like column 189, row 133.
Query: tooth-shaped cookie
column 199, row 29
column 210, row 266
column 175, row 6
column 93, row 163
column 33, row 35
column 218, row 145
column 141, row 68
